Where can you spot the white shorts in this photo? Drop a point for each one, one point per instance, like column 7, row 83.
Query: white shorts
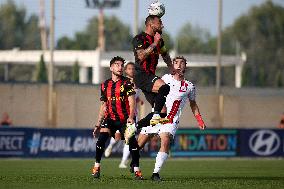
column 159, row 128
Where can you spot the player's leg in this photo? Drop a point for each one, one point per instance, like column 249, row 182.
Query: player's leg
column 125, row 156
column 162, row 155
column 135, row 154
column 162, row 90
column 134, row 151
column 100, row 146
column 112, row 142
column 155, row 91
column 142, row 140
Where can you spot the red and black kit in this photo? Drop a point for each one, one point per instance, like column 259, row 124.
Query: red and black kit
column 115, row 94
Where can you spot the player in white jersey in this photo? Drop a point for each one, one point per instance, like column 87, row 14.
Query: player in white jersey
column 181, row 90
column 129, row 71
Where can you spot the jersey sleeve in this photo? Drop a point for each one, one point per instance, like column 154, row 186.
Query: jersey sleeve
column 192, row 92
column 138, row 43
column 129, row 88
column 103, row 93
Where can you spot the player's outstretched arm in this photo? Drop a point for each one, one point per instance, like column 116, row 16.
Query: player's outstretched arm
column 167, row 59
column 195, row 110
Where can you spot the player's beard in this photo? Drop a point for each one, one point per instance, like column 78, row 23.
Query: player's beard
column 159, row 30
column 117, row 74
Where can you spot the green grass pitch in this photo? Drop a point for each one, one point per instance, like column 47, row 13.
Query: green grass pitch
column 177, row 173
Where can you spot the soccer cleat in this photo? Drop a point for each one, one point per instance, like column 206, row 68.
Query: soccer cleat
column 122, row 165
column 155, row 177
column 108, row 151
column 155, row 119
column 138, row 175
column 129, row 132
column 165, row 120
column 96, row 172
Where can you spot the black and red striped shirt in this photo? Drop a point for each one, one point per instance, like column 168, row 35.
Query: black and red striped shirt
column 143, row 41
column 116, row 94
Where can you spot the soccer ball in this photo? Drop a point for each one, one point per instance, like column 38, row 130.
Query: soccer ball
column 157, row 9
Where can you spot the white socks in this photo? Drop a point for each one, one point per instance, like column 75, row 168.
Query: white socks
column 136, row 169
column 111, row 142
column 160, row 159
column 97, row 164
column 126, row 153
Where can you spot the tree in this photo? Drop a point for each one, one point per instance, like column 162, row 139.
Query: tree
column 41, row 71
column 117, row 36
column 194, row 40
column 75, row 72
column 260, row 33
column 16, row 29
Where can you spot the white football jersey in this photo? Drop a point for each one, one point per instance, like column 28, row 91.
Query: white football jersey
column 180, row 91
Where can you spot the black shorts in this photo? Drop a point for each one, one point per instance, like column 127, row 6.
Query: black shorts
column 145, row 82
column 114, row 126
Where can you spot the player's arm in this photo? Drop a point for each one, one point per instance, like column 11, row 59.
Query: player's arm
column 102, row 110
column 100, row 119
column 130, row 92
column 142, row 53
column 167, row 59
column 132, row 104
column 195, row 109
column 166, row 56
column 101, row 114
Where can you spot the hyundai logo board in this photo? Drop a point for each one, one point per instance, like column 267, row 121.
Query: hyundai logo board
column 263, row 143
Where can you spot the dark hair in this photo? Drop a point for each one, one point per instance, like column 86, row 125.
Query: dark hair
column 180, row 57
column 127, row 64
column 116, row 58
column 150, row 18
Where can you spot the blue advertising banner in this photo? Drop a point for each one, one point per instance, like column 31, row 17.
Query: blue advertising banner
column 204, row 143
column 36, row 143
column 33, row 142
column 261, row 142
column 29, row 142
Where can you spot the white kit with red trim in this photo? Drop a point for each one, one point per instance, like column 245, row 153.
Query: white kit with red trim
column 180, row 91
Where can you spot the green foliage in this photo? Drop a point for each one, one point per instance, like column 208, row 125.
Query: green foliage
column 117, row 35
column 261, row 35
column 16, row 29
column 41, row 71
column 75, row 72
column 194, row 40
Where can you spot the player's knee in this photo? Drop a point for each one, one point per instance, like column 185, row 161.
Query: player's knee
column 164, row 90
column 102, row 140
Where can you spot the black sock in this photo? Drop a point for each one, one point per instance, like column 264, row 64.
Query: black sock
column 101, row 146
column 160, row 99
column 134, row 151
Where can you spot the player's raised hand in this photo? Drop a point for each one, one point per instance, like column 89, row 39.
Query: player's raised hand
column 157, row 37
column 200, row 122
column 202, row 127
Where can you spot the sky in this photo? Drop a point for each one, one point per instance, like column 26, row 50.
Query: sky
column 72, row 15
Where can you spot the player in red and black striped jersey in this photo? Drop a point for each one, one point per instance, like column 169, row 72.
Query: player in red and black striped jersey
column 147, row 47
column 117, row 109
